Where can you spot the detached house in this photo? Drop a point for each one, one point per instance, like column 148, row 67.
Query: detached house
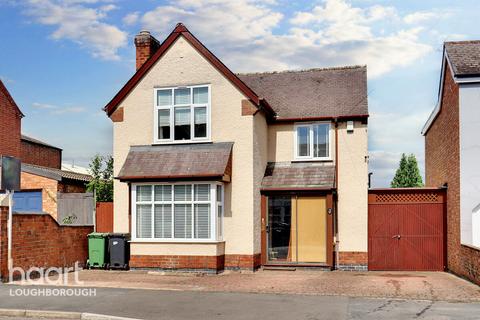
column 452, row 153
column 216, row 170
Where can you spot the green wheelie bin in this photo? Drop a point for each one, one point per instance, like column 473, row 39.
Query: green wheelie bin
column 97, row 250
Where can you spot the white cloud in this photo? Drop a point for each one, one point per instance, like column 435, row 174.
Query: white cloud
column 57, row 110
column 220, row 21
column 423, row 16
column 131, row 18
column 332, row 33
column 75, row 20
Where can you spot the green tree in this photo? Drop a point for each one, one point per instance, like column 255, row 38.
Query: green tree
column 101, row 169
column 408, row 174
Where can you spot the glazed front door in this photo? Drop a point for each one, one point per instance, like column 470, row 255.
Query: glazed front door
column 297, row 230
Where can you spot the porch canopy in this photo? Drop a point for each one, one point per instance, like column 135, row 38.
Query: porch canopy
column 298, row 176
column 208, row 161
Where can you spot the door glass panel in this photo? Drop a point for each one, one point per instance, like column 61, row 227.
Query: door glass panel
column 280, row 225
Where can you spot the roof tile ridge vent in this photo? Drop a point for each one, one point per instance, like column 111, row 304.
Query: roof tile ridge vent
column 304, row 70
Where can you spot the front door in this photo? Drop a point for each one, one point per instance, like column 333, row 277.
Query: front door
column 297, row 230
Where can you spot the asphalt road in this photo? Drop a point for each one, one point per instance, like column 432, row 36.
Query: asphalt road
column 179, row 305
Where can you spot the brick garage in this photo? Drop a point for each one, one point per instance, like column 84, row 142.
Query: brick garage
column 442, row 166
column 39, row 241
column 36, row 152
column 10, row 124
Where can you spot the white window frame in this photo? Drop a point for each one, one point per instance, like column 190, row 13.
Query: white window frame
column 310, row 125
column 214, row 234
column 171, row 107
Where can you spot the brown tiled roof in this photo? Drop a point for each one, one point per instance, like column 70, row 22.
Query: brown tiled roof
column 209, row 160
column 286, row 175
column 54, row 173
column 464, row 57
column 36, row 141
column 329, row 92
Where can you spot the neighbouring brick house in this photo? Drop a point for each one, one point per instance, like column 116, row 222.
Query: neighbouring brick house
column 41, row 177
column 452, row 152
column 220, row 170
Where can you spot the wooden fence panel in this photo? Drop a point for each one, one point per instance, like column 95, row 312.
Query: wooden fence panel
column 75, row 208
column 104, row 214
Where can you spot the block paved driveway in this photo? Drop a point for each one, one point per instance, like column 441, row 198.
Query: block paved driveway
column 436, row 286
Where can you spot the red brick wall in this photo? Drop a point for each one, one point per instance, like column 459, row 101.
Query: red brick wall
column 214, row 263
column 41, row 155
column 49, row 190
column 39, row 241
column 77, row 187
column 353, row 258
column 442, row 165
column 10, row 125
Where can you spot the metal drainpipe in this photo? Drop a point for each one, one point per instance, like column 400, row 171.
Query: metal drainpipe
column 335, row 220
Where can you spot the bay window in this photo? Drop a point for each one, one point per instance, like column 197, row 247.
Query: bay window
column 182, row 114
column 177, row 212
column 312, row 141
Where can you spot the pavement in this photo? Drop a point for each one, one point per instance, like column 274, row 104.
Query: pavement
column 275, row 295
column 435, row 286
column 179, row 305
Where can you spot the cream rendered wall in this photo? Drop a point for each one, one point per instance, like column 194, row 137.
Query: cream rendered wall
column 353, row 188
column 352, row 177
column 183, row 65
column 260, row 151
column 281, row 137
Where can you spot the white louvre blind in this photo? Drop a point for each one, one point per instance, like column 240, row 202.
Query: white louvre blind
column 200, row 95
column 202, row 192
column 182, row 116
column 182, row 96
column 163, row 118
column 183, row 221
column 164, row 97
column 183, row 192
column 163, row 221
column 144, row 221
column 144, row 193
column 202, row 221
column 200, row 115
column 163, row 193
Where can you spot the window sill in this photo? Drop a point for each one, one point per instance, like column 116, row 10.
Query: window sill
column 313, row 160
column 471, row 246
column 156, row 143
column 188, row 241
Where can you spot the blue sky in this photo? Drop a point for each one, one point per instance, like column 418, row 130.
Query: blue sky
column 63, row 60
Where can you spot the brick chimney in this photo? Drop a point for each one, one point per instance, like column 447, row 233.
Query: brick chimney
column 145, row 45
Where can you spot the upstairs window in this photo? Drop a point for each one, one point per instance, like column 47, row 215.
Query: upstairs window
column 312, row 141
column 182, row 114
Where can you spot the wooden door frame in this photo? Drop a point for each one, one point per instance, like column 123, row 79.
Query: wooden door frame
column 330, row 217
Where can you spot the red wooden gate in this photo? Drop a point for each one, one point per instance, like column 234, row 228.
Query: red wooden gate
column 406, row 229
column 104, row 217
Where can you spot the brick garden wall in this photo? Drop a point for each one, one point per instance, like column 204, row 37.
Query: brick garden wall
column 39, row 241
column 442, row 165
column 40, row 155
